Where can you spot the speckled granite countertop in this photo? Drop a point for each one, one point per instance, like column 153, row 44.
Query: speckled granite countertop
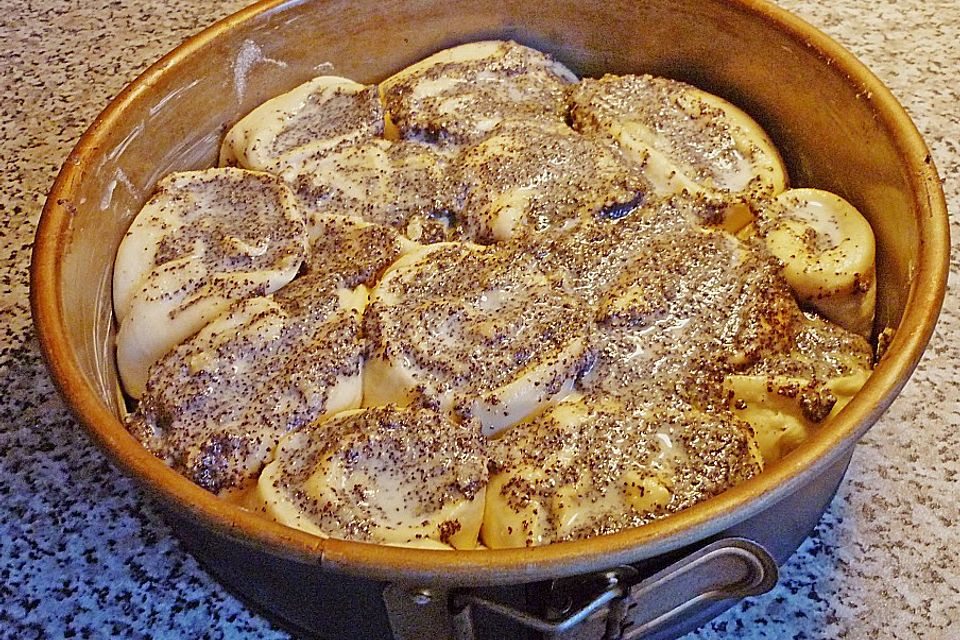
column 83, row 553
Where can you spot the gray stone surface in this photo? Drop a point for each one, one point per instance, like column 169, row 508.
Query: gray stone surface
column 84, row 554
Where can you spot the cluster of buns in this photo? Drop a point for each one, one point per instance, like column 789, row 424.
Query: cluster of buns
column 487, row 303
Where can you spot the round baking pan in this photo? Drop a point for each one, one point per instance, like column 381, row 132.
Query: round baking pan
column 837, row 127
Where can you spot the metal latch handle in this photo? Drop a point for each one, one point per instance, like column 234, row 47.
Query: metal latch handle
column 730, row 568
column 625, row 608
